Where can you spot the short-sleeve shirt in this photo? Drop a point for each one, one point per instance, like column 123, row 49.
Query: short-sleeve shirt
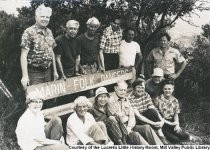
column 40, row 44
column 89, row 49
column 67, row 48
column 140, row 103
column 167, row 107
column 167, row 62
column 110, row 40
column 127, row 53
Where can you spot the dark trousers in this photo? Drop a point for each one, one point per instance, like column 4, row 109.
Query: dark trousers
column 150, row 114
column 173, row 136
column 111, row 61
column 70, row 72
column 148, row 134
column 116, row 130
column 39, row 76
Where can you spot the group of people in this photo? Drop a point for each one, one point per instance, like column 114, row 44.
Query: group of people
column 74, row 55
column 147, row 115
column 118, row 118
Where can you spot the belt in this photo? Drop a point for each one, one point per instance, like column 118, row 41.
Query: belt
column 38, row 68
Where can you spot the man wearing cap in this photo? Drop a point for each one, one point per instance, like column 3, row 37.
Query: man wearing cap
column 169, row 59
column 33, row 133
column 144, row 109
column 154, row 85
column 119, row 104
column 82, row 128
column 37, row 56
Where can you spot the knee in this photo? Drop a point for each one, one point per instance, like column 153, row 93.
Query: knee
column 56, row 120
column 147, row 127
column 101, row 124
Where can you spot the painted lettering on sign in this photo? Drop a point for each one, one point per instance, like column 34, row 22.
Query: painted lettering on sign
column 81, row 83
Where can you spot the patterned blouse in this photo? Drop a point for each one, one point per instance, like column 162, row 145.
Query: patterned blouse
column 167, row 107
column 40, row 44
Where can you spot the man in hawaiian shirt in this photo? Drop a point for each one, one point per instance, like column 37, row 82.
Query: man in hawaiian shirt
column 37, row 54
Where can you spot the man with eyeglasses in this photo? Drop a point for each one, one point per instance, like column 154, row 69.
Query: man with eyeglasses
column 33, row 133
column 110, row 45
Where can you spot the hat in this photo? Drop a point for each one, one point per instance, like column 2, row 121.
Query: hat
column 101, row 90
column 158, row 72
column 34, row 95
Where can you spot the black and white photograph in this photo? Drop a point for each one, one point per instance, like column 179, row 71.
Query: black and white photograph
column 104, row 74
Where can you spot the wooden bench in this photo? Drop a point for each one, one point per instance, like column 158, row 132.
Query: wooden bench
column 50, row 90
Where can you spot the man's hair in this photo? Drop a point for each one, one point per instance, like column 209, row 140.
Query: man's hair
column 162, row 34
column 113, row 18
column 70, row 22
column 121, row 83
column 129, row 28
column 42, row 9
column 93, row 20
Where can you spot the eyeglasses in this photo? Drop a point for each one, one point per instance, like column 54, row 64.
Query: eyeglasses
column 37, row 101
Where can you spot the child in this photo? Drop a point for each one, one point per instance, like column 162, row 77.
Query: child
column 168, row 107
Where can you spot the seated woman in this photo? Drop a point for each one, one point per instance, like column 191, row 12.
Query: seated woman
column 33, row 133
column 115, row 128
column 144, row 110
column 168, row 107
column 82, row 128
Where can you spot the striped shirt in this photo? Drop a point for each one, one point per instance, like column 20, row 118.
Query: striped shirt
column 110, row 40
column 141, row 103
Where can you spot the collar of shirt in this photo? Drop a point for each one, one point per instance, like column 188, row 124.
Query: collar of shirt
column 42, row 31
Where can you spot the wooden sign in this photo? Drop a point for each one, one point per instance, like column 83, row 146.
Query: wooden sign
column 72, row 85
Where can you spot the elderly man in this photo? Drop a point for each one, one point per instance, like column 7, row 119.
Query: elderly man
column 144, row 109
column 82, row 127
column 66, row 52
column 32, row 131
column 88, row 44
column 167, row 58
column 110, row 45
column 37, row 54
column 119, row 104
column 154, row 85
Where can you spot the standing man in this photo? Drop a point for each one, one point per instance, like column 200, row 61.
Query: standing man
column 110, row 45
column 167, row 58
column 88, row 44
column 33, row 133
column 66, row 52
column 37, row 54
column 130, row 53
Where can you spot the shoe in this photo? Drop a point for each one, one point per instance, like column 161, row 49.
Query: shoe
column 164, row 140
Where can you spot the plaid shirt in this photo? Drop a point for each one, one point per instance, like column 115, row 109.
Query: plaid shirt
column 123, row 109
column 141, row 103
column 110, row 40
column 167, row 108
column 167, row 61
column 40, row 44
